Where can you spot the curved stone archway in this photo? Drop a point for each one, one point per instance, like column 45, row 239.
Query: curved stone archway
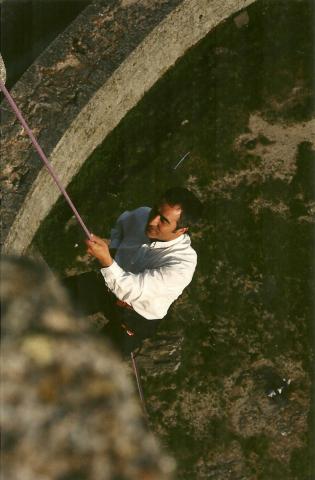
column 90, row 117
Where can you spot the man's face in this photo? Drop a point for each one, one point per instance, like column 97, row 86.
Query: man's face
column 162, row 223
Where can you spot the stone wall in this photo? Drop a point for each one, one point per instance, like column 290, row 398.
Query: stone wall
column 82, row 86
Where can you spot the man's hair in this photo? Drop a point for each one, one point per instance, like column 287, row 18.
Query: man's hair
column 190, row 205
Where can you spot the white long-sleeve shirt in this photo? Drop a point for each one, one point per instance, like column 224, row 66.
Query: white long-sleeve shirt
column 149, row 276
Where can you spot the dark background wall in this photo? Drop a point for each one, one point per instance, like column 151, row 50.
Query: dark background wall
column 28, row 27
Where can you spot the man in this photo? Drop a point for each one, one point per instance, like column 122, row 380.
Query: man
column 148, row 264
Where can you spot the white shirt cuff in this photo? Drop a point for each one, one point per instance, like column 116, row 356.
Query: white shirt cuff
column 113, row 271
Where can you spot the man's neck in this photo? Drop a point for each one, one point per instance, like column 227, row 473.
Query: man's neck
column 151, row 240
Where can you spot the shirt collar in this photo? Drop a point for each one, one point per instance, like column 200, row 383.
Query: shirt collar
column 157, row 244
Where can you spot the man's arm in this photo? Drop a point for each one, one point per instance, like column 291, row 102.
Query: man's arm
column 117, row 233
column 150, row 292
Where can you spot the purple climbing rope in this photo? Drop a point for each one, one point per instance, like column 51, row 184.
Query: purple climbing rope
column 43, row 157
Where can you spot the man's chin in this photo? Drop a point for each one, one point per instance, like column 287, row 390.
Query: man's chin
column 150, row 234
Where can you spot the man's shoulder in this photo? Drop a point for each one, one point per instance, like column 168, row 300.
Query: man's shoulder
column 141, row 211
column 191, row 252
column 183, row 251
column 139, row 215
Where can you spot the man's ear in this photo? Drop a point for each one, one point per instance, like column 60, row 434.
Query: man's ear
column 183, row 230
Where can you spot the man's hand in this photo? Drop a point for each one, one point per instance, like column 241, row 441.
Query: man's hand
column 98, row 248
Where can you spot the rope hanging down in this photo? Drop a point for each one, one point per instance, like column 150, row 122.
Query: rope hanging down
column 43, row 157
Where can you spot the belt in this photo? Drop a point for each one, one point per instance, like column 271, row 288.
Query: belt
column 122, row 304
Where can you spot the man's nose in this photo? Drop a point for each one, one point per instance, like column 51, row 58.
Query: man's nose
column 155, row 220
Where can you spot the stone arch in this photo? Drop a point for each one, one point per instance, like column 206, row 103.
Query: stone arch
column 91, row 116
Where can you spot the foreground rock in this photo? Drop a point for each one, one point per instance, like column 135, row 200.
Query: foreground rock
column 69, row 408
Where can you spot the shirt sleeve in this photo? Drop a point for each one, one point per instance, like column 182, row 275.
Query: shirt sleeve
column 151, row 292
column 117, row 232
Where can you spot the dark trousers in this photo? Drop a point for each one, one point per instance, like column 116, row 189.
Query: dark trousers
column 90, row 295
